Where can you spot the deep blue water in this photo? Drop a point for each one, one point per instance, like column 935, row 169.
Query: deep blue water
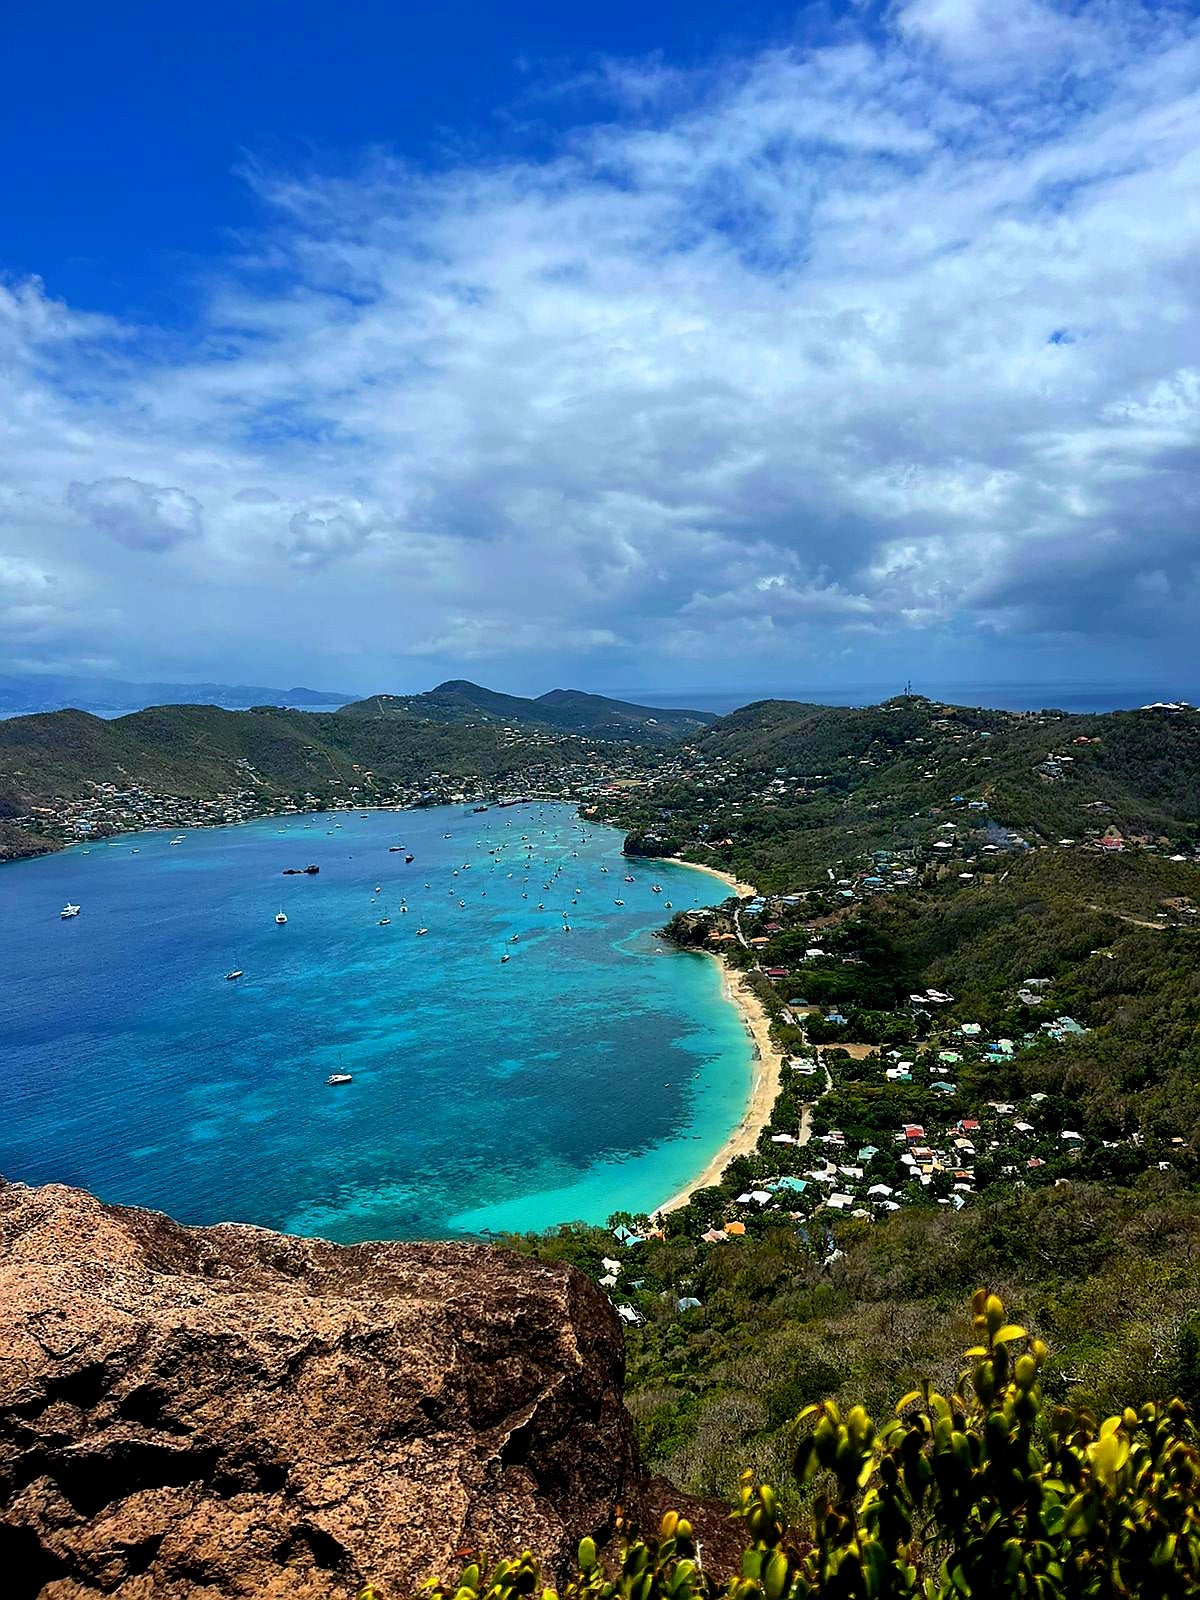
column 594, row 1071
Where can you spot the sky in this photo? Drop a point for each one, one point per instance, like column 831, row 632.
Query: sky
column 609, row 346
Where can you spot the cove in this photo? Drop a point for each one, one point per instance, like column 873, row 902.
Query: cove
column 593, row 1071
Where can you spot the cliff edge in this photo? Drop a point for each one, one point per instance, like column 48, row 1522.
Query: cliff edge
column 211, row 1412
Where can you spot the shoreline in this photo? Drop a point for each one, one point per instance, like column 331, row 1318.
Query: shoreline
column 764, row 1088
column 741, row 890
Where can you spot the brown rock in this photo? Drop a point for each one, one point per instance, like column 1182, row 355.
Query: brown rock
column 212, row 1412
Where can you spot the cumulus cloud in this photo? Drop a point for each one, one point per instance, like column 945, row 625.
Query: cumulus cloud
column 804, row 352
column 141, row 516
column 326, row 531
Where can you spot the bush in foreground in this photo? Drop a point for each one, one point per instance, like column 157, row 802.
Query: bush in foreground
column 985, row 1494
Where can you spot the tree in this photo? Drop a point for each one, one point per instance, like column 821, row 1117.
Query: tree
column 981, row 1494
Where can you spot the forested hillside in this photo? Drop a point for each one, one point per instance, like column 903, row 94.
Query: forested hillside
column 563, row 710
column 1044, row 1139
column 778, row 792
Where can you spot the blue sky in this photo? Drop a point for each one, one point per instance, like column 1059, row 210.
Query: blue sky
column 625, row 345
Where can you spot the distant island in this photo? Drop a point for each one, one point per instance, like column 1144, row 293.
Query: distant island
column 24, row 694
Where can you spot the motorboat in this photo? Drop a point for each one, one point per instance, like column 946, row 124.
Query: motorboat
column 236, row 973
column 69, row 911
column 503, row 959
column 338, row 1077
column 421, row 932
column 280, row 918
column 385, row 922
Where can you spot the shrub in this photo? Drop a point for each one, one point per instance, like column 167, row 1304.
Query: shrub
column 985, row 1493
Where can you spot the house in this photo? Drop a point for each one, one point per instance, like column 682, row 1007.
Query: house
column 792, row 1185
column 735, row 1229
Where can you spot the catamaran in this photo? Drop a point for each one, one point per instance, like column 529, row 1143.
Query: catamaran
column 280, row 918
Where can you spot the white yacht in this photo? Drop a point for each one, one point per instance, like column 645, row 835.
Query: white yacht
column 280, row 918
column 69, row 911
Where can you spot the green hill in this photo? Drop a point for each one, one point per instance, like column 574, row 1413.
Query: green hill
column 778, row 790
column 200, row 752
column 563, row 710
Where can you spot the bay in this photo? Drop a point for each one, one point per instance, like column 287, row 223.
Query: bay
column 593, row 1071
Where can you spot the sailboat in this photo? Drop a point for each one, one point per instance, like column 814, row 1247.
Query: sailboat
column 236, row 973
column 280, row 918
column 69, row 911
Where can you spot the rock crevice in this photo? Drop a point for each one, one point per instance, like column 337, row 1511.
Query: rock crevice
column 225, row 1411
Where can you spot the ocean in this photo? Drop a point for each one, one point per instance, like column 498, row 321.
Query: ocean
column 594, row 1071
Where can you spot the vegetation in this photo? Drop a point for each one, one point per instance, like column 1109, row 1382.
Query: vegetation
column 986, row 1490
column 563, row 710
column 779, row 792
column 1099, row 1236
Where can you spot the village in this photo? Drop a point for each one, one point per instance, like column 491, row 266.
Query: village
column 552, row 767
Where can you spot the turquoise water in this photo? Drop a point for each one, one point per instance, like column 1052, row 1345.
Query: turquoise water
column 594, row 1071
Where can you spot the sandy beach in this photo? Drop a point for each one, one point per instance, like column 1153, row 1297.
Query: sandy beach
column 768, row 1060
column 736, row 886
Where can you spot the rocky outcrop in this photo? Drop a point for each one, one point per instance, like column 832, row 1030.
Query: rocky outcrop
column 211, row 1412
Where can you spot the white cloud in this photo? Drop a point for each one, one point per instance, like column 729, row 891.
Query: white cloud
column 323, row 532
column 141, row 516
column 885, row 334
